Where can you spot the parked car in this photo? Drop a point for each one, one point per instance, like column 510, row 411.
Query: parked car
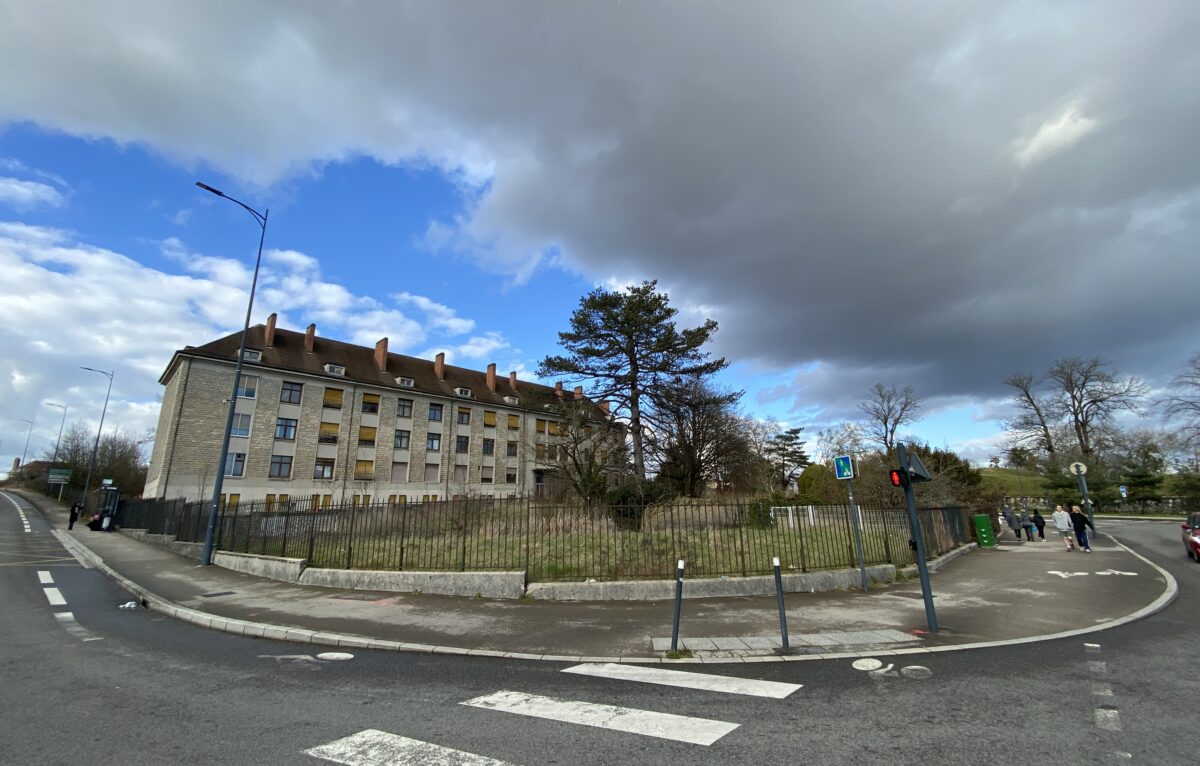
column 1191, row 536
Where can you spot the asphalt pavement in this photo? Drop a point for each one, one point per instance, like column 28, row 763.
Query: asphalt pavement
column 1017, row 592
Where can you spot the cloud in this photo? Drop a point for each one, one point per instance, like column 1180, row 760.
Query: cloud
column 1055, row 135
column 837, row 183
column 24, row 195
column 440, row 317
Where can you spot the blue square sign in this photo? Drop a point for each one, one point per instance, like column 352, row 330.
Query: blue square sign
column 843, row 467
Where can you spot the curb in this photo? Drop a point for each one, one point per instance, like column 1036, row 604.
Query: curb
column 305, row 636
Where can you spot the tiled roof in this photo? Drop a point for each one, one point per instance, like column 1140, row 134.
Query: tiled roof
column 287, row 353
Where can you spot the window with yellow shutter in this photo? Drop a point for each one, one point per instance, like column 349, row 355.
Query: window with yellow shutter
column 328, row 433
column 514, row 422
column 366, row 436
column 489, row 418
column 364, row 470
column 332, row 399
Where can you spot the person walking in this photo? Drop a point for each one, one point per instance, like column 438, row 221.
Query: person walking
column 1011, row 520
column 1027, row 525
column 75, row 508
column 1081, row 522
column 1062, row 522
column 1039, row 521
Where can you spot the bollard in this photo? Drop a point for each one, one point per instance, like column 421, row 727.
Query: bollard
column 678, row 603
column 779, row 599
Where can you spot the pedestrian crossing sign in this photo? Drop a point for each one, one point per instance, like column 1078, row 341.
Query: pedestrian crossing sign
column 843, row 466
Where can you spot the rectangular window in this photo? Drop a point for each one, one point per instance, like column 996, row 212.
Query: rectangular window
column 428, row 498
column 328, row 433
column 402, row 438
column 283, row 499
column 489, row 446
column 285, row 429
column 404, row 408
column 281, row 467
column 370, row 403
column 269, row 503
column 333, row 398
column 541, row 426
column 431, row 472
column 251, row 355
column 290, row 393
column 235, row 464
column 489, row 418
column 552, row 428
column 241, row 425
column 485, row 474
column 364, row 470
column 460, row 474
column 462, row 444
column 511, row 449
column 366, row 436
column 233, row 501
column 510, row 477
column 247, row 387
column 464, row 416
column 514, row 422
column 433, row 442
column 540, row 452
column 399, row 473
column 326, row 501
column 324, row 468
column 314, row 502
column 435, row 412
column 397, row 500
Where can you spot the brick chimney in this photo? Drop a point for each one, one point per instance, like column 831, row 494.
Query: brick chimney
column 439, row 365
column 558, row 389
column 310, row 336
column 491, row 377
column 271, row 330
column 381, row 355
column 512, row 381
column 578, row 392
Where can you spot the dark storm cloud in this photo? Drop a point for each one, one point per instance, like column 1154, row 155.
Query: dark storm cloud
column 935, row 195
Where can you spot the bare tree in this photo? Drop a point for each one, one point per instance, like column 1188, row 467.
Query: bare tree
column 1183, row 403
column 842, row 439
column 701, row 437
column 1089, row 394
column 887, row 409
column 1034, row 413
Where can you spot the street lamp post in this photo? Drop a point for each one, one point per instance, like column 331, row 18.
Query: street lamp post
column 26, row 450
column 58, row 441
column 95, row 447
column 210, row 532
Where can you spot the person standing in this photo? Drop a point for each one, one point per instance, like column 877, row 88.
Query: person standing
column 1011, row 520
column 1027, row 525
column 1081, row 522
column 74, row 515
column 1039, row 521
column 1062, row 522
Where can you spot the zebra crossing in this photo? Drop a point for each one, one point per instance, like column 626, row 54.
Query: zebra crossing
column 373, row 747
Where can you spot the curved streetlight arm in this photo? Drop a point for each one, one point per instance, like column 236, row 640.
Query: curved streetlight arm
column 62, row 407
column 26, row 450
column 260, row 217
column 95, row 447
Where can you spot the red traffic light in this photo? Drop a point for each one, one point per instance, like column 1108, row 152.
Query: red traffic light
column 896, row 476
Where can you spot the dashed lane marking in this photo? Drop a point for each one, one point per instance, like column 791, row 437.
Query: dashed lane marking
column 696, row 731
column 54, row 597
column 1098, row 667
column 67, row 620
column 702, row 681
column 45, row 578
column 372, row 747
column 1108, row 719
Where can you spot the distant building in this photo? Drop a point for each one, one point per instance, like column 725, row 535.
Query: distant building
column 328, row 423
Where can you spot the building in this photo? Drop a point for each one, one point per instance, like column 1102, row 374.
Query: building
column 332, row 423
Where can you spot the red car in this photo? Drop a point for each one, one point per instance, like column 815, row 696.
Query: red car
column 1191, row 536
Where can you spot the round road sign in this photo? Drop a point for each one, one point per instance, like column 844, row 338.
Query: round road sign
column 1078, row 469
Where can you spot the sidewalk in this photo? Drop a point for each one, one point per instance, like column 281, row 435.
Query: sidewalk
column 1017, row 592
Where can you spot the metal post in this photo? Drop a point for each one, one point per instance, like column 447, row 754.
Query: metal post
column 1087, row 504
column 914, row 523
column 779, row 600
column 678, row 605
column 26, row 450
column 261, row 218
column 858, row 546
column 92, row 463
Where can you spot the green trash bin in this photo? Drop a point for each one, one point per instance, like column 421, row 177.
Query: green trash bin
column 983, row 530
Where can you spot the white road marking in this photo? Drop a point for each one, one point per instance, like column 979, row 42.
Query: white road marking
column 702, row 681
column 916, row 671
column 54, row 597
column 1097, row 667
column 867, row 663
column 45, row 578
column 74, row 628
column 372, row 747
column 335, row 656
column 697, row 731
column 1102, row 690
column 1091, row 648
column 1109, row 720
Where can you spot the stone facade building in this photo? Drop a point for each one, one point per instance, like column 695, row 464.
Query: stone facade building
column 331, row 423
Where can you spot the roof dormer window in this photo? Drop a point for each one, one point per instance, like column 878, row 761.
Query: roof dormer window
column 336, row 369
column 251, row 355
column 463, row 392
column 510, row 400
column 404, row 382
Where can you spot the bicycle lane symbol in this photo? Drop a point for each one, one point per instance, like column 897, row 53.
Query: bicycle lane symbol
column 877, row 671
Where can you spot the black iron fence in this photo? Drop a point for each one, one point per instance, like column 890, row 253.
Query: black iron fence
column 558, row 542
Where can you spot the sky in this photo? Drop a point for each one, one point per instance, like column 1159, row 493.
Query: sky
column 925, row 194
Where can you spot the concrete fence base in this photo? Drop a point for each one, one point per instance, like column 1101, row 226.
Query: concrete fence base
column 483, row 584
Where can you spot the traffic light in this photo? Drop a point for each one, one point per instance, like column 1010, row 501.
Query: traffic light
column 898, row 478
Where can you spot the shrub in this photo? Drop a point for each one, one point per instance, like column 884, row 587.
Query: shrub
column 627, row 503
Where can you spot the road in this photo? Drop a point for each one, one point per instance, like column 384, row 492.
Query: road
column 127, row 686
